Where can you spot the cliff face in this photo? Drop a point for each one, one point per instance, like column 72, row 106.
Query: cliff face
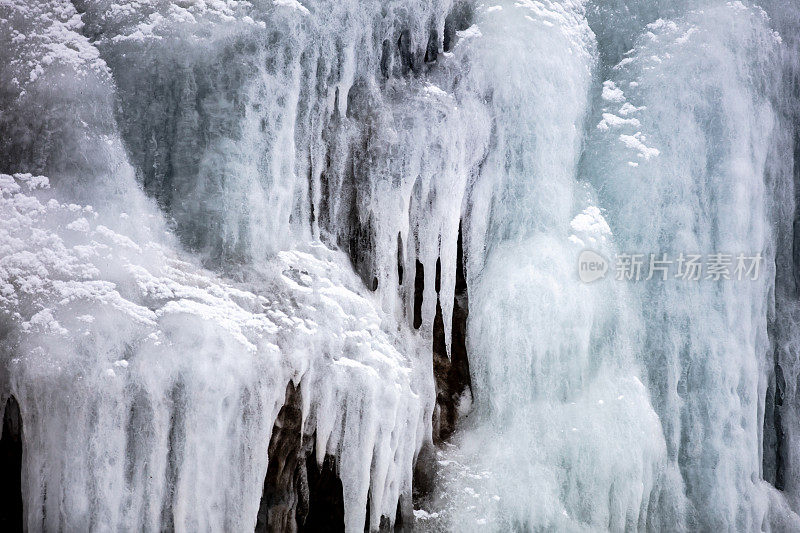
column 301, row 265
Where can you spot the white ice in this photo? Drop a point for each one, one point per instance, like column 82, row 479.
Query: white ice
column 231, row 186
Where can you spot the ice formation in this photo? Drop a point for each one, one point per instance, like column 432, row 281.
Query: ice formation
column 210, row 210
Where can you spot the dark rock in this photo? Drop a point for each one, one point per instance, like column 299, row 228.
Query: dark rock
column 324, row 503
column 451, row 373
column 298, row 494
column 286, row 471
column 11, row 511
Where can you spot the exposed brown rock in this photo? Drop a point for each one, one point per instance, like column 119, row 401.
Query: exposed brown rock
column 298, row 495
column 451, row 373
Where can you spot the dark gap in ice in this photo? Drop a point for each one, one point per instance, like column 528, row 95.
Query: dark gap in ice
column 432, row 50
column 400, row 259
column 398, row 515
column 367, row 516
column 360, row 250
column 425, row 469
column 358, row 237
column 773, row 456
column 386, row 58
column 419, row 289
column 176, row 440
column 451, row 373
column 406, row 54
column 312, row 214
column 459, row 19
column 325, row 190
column 11, row 511
column 285, row 483
column 387, row 524
column 324, row 501
column 438, row 283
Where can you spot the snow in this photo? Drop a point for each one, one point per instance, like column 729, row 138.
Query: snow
column 591, row 222
column 292, row 4
column 634, row 142
column 471, row 32
column 613, row 121
column 420, row 514
column 611, row 92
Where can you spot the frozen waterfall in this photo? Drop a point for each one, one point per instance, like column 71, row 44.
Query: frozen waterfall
column 303, row 265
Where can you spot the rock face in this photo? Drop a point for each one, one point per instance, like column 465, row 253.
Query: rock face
column 324, row 505
column 453, row 384
column 299, row 495
column 286, row 483
column 11, row 468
